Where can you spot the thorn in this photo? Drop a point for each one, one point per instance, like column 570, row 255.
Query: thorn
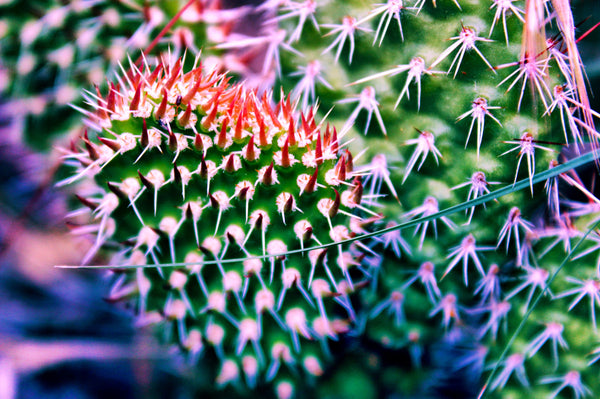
column 262, row 134
column 213, row 201
column 145, row 181
column 357, row 191
column 311, row 119
column 184, row 120
column 111, row 101
column 268, row 176
column 232, row 103
column 334, row 142
column 190, row 94
column 307, row 234
column 112, row 144
column 205, row 250
column 72, row 225
column 286, row 107
column 117, row 191
column 254, row 107
column 308, row 132
column 230, row 239
column 87, row 202
column 73, row 146
column 203, row 169
column 144, row 138
column 93, row 154
column 289, row 204
column 154, row 75
column 327, row 135
column 340, row 169
column 222, row 140
column 250, row 154
column 176, row 173
column 319, row 150
column 349, row 162
column 291, row 133
column 272, row 115
column 336, row 205
column 135, row 101
column 213, row 113
column 311, row 186
column 198, row 144
column 230, row 164
column 174, row 75
column 101, row 110
column 243, row 192
column 320, row 259
column 285, row 154
column 172, row 141
column 161, row 111
column 239, row 125
column 259, row 221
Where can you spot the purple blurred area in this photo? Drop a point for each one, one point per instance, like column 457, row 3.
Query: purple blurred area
column 58, row 337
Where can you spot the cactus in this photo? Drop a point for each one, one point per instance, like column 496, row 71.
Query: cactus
column 466, row 98
column 193, row 171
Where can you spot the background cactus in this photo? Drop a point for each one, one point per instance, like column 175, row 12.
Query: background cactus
column 438, row 82
column 409, row 84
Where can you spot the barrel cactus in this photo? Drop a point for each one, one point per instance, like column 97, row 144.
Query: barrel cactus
column 195, row 172
column 441, row 103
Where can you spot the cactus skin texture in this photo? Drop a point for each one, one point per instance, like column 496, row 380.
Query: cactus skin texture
column 191, row 169
column 436, row 94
